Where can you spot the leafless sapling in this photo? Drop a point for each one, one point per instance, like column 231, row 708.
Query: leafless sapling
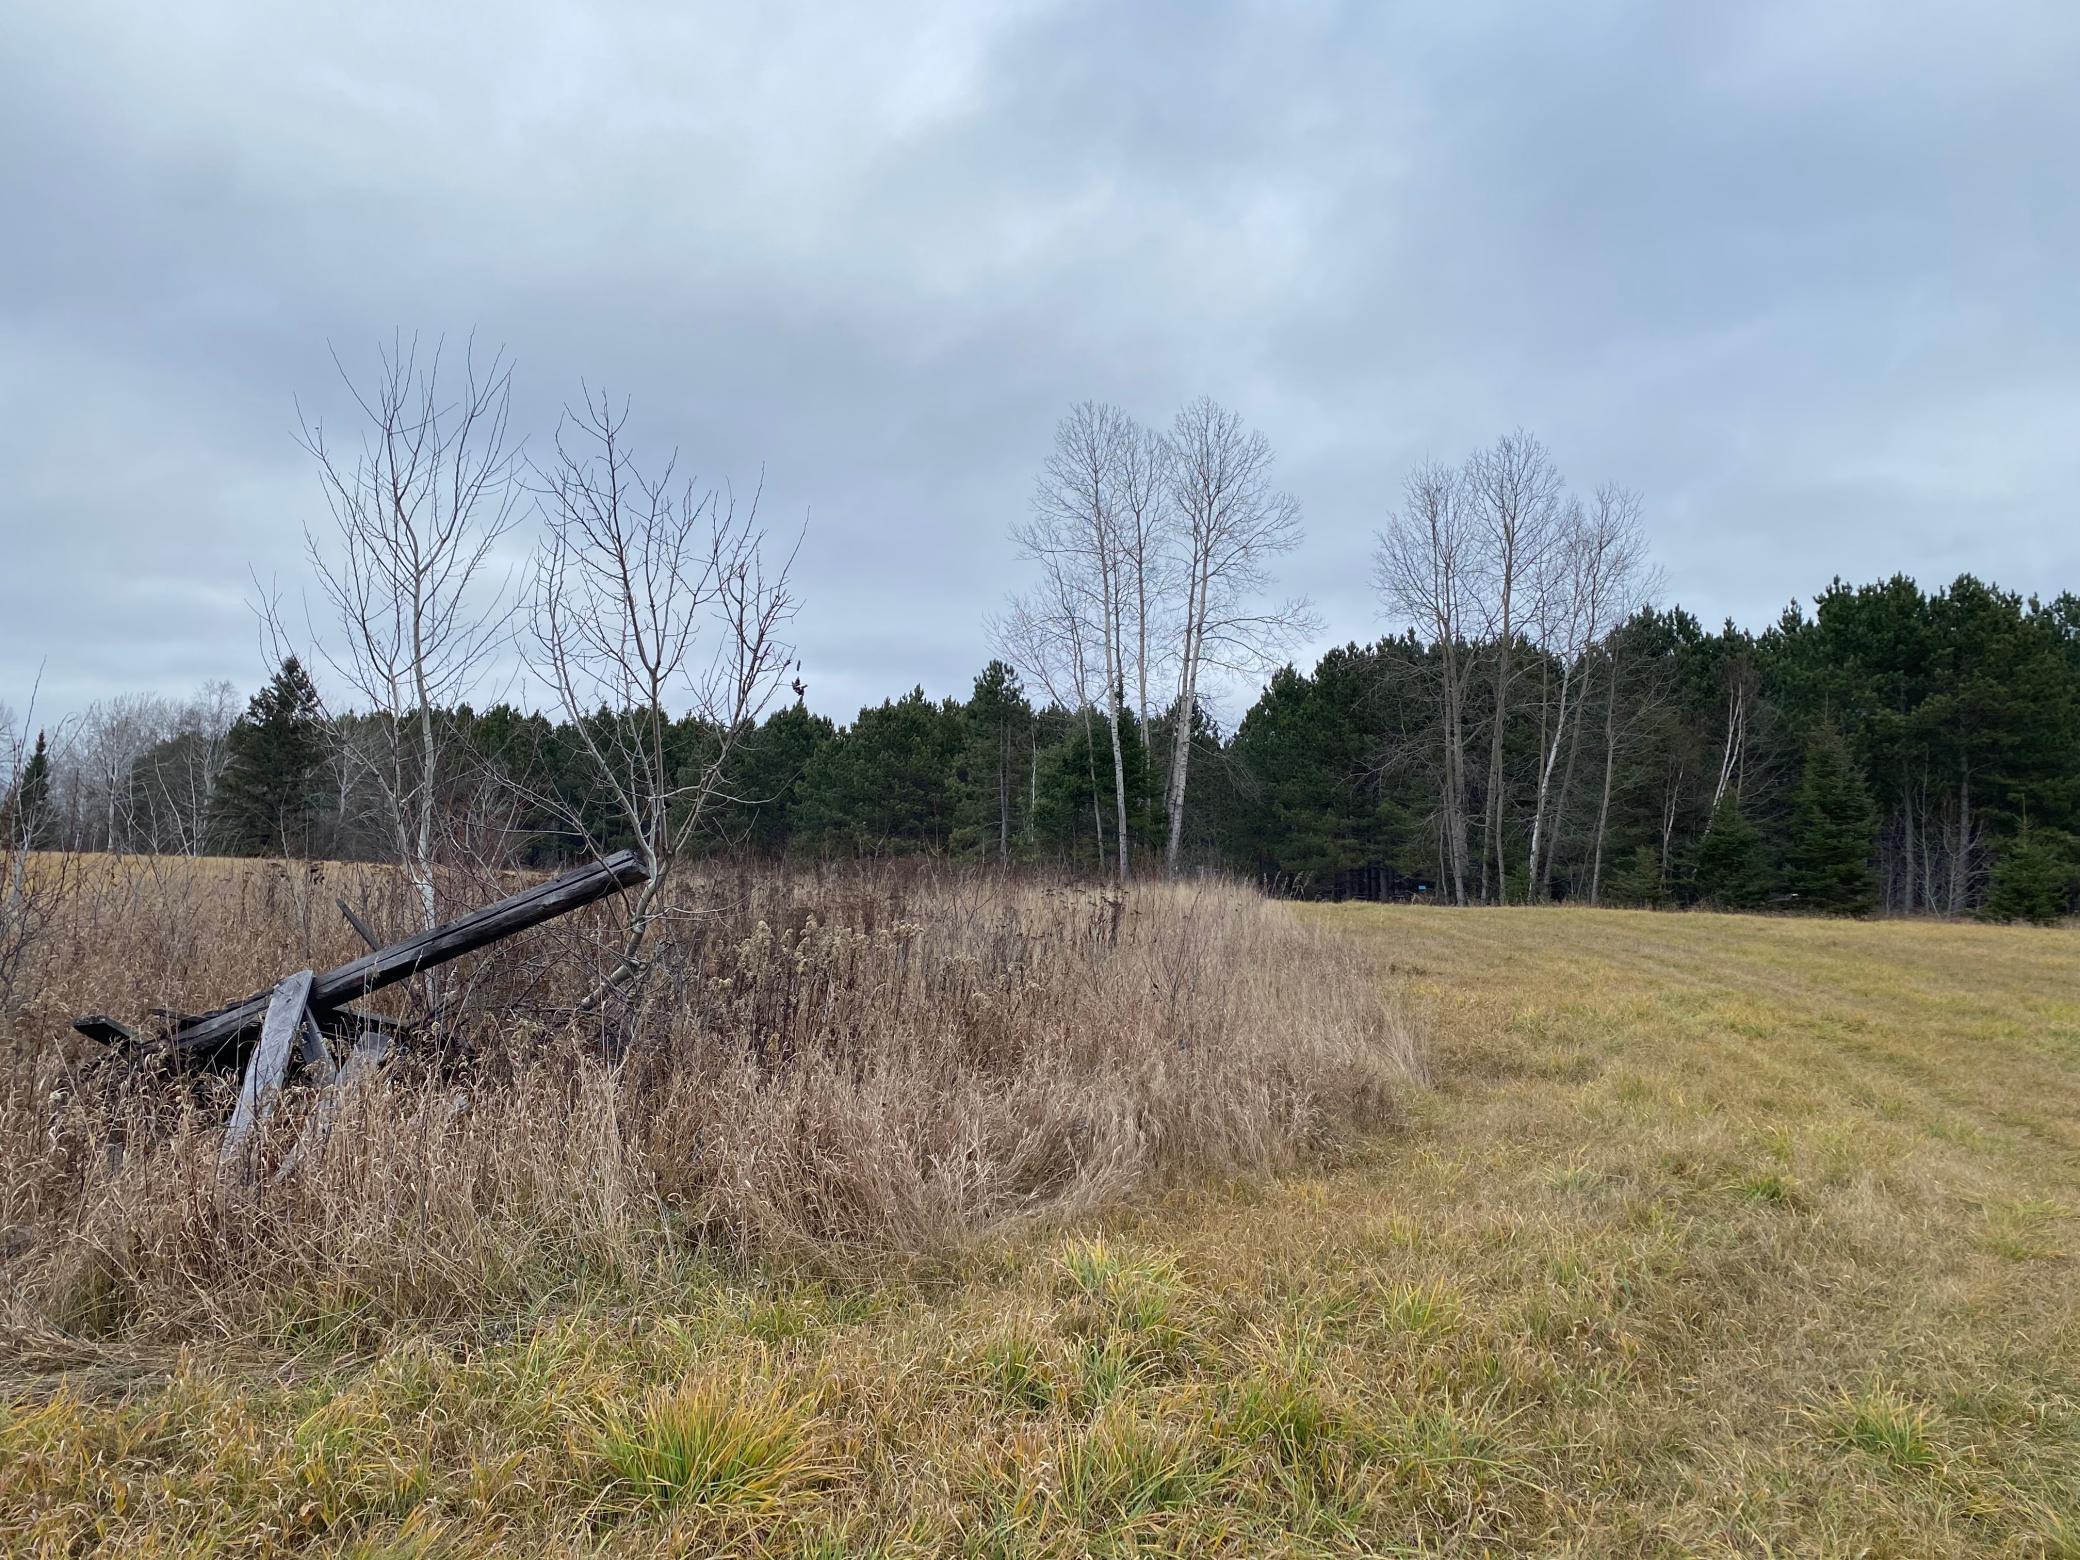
column 652, row 594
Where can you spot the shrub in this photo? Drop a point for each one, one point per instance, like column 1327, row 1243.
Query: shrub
column 2032, row 881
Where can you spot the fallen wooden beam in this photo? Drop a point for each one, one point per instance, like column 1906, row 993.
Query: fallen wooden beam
column 287, row 1011
column 99, row 1026
column 400, row 961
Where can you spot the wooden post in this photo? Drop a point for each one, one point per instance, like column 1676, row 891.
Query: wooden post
column 360, row 926
column 287, row 1009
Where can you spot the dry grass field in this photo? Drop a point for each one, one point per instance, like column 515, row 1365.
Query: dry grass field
column 1708, row 1235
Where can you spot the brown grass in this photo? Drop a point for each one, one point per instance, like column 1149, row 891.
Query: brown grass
column 819, row 1066
column 1714, row 1235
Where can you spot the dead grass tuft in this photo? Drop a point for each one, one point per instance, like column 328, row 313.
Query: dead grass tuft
column 819, row 1067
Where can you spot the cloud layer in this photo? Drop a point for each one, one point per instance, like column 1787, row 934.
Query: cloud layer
column 1802, row 274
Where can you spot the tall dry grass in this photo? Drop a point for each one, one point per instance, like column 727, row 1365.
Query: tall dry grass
column 819, row 1064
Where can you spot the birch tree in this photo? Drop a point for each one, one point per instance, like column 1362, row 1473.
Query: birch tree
column 1424, row 569
column 1597, row 582
column 1231, row 524
column 1042, row 633
column 1516, row 495
column 1098, row 531
column 111, row 737
column 408, row 568
column 1146, row 536
column 1075, row 532
column 173, row 785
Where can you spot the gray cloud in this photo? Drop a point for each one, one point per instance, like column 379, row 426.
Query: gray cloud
column 1800, row 273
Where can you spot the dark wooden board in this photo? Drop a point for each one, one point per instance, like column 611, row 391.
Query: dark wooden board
column 402, row 960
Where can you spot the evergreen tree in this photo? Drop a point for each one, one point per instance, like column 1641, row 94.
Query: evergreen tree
column 268, row 798
column 2032, row 881
column 1733, row 867
column 1316, row 803
column 767, row 787
column 886, row 785
column 1637, row 881
column 1076, row 807
column 1827, row 856
column 26, row 815
column 998, row 718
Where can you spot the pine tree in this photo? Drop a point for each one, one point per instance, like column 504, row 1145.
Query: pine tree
column 268, row 799
column 885, row 785
column 2032, row 881
column 26, row 815
column 1733, row 867
column 998, row 718
column 764, row 815
column 1827, row 858
column 1637, row 880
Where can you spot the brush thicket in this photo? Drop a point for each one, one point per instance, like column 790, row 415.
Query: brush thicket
column 815, row 1063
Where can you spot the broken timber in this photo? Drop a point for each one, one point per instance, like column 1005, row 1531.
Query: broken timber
column 214, row 1034
column 287, row 1012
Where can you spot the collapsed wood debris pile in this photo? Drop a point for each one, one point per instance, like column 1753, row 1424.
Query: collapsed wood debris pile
column 303, row 1016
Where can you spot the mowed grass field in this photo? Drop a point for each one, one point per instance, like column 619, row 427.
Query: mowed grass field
column 1708, row 1235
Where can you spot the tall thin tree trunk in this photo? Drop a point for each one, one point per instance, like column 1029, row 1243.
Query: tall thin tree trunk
column 1603, row 806
column 1187, row 703
column 1574, row 752
column 1119, row 763
column 1090, row 754
column 1533, row 890
column 1495, row 809
column 1003, row 793
column 1961, row 855
column 1671, row 799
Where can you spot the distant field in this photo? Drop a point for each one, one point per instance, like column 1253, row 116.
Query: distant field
column 1710, row 1235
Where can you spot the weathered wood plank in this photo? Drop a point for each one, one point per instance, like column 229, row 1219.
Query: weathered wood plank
column 352, row 1020
column 99, row 1026
column 402, row 960
column 367, row 1055
column 317, row 1055
column 287, row 1008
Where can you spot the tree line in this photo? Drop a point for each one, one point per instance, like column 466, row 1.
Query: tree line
column 1890, row 748
column 1533, row 725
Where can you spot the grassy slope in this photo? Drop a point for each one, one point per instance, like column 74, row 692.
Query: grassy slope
column 1715, row 1235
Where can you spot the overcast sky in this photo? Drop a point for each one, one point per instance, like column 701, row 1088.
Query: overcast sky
column 1805, row 275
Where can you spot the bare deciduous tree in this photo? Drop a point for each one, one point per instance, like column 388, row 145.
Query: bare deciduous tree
column 173, row 786
column 1145, row 528
column 408, row 568
column 1083, row 533
column 1516, row 494
column 1042, row 634
column 108, row 741
column 1425, row 568
column 1597, row 581
column 1231, row 524
column 651, row 591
